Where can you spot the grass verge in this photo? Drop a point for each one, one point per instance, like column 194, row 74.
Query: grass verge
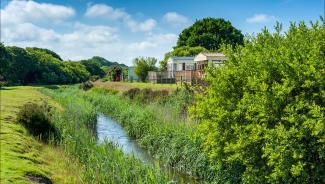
column 23, row 158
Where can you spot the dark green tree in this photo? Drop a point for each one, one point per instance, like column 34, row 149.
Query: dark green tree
column 210, row 33
column 21, row 66
column 5, row 60
column 47, row 51
column 93, row 68
column 143, row 66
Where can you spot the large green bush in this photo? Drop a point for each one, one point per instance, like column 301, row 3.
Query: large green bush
column 264, row 110
column 36, row 118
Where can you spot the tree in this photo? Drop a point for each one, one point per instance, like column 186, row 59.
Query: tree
column 5, row 59
column 143, row 66
column 115, row 73
column 181, row 51
column 47, row 51
column 20, row 67
column 263, row 114
column 210, row 33
column 93, row 68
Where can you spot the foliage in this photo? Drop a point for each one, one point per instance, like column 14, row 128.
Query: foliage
column 145, row 95
column 264, row 110
column 143, row 66
column 210, row 33
column 47, row 51
column 39, row 66
column 86, row 85
column 4, row 60
column 93, row 67
column 115, row 73
column 103, row 163
column 36, row 119
column 103, row 62
column 181, row 51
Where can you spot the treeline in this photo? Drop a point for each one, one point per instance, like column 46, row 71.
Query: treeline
column 19, row 66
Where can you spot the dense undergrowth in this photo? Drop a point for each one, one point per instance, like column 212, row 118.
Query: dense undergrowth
column 102, row 163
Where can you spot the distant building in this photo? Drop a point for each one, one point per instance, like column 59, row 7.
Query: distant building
column 205, row 59
column 176, row 63
column 131, row 74
column 187, row 69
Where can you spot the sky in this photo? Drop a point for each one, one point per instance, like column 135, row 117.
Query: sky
column 120, row 30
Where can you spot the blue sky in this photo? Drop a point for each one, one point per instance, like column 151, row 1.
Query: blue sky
column 121, row 30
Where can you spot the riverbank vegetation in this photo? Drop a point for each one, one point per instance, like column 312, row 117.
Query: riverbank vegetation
column 167, row 139
column 103, row 163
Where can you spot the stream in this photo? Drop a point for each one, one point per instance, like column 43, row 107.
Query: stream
column 109, row 129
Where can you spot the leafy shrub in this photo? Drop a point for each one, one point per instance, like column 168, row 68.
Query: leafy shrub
column 179, row 100
column 86, row 85
column 145, row 95
column 3, row 84
column 131, row 93
column 93, row 78
column 264, row 109
column 36, row 119
column 105, row 79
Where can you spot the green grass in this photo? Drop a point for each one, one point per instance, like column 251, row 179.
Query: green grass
column 22, row 154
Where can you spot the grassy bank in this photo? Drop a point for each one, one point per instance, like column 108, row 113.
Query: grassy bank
column 103, row 163
column 23, row 158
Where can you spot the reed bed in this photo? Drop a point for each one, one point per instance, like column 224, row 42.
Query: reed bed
column 103, row 163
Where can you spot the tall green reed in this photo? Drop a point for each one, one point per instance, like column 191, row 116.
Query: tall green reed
column 102, row 163
column 175, row 144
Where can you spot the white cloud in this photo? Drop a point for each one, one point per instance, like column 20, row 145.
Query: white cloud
column 90, row 34
column 22, row 11
column 102, row 10
column 153, row 41
column 260, row 18
column 145, row 26
column 175, row 18
column 28, row 32
column 108, row 12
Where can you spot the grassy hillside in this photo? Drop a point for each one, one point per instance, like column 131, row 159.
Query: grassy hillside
column 23, row 158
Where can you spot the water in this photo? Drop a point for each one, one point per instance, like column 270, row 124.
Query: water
column 109, row 129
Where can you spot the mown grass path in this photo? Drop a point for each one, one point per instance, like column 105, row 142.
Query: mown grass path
column 23, row 158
